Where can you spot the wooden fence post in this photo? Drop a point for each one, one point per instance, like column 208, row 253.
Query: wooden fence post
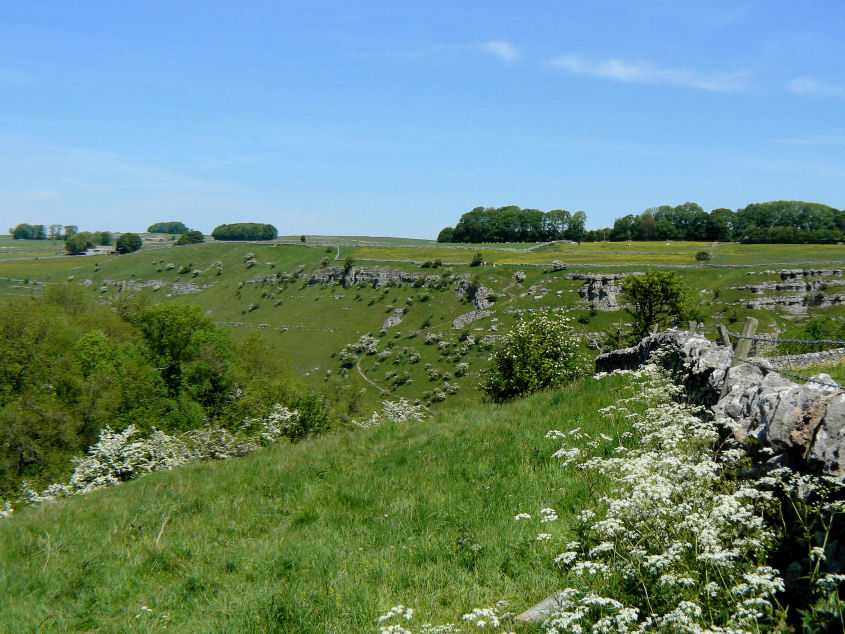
column 743, row 346
column 741, row 349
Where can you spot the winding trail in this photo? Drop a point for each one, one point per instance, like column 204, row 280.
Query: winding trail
column 381, row 389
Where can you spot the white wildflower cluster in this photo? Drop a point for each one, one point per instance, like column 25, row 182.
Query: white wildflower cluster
column 686, row 537
column 548, row 515
column 491, row 619
column 487, row 617
column 401, row 411
column 120, row 456
column 7, row 511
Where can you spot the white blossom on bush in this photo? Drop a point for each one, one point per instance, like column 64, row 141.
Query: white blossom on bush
column 400, row 411
column 120, row 456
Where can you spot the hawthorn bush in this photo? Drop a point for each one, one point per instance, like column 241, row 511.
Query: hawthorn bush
column 539, row 352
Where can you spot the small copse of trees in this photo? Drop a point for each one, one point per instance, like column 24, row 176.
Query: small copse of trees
column 512, row 224
column 168, row 227
column 80, row 241
column 245, row 231
column 26, row 231
column 191, row 237
column 780, row 221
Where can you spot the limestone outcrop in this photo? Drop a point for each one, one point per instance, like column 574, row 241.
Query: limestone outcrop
column 601, row 289
column 362, row 276
column 476, row 293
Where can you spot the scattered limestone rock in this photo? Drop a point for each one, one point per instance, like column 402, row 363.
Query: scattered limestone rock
column 467, row 318
column 395, row 319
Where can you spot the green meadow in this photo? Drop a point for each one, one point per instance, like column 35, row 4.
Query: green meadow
column 321, row 536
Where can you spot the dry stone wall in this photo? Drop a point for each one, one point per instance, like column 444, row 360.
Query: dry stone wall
column 797, row 425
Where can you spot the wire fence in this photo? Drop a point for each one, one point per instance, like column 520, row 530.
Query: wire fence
column 809, row 342
column 768, row 367
column 791, row 375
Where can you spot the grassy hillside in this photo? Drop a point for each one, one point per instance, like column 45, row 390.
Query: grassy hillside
column 311, row 324
column 322, row 536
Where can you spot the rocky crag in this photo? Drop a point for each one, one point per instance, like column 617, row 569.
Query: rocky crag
column 362, row 276
column 796, row 290
column 600, row 289
column 476, row 293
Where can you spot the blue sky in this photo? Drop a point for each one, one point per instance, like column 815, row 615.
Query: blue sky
column 395, row 118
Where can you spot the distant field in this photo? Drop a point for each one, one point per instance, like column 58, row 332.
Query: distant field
column 11, row 248
column 612, row 253
column 355, row 240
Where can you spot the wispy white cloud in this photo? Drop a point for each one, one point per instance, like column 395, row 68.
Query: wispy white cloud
column 505, row 51
column 811, row 87
column 647, row 73
column 816, row 140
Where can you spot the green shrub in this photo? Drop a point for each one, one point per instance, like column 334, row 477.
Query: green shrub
column 190, row 237
column 477, row 259
column 657, row 297
column 128, row 243
column 539, row 352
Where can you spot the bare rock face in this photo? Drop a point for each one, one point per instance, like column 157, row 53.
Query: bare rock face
column 478, row 295
column 601, row 289
column 362, row 276
column 826, row 450
column 697, row 363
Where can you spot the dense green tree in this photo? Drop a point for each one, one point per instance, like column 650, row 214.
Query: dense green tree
column 720, row 225
column 447, row 234
column 173, row 335
column 512, row 224
column 26, row 231
column 656, row 297
column 245, row 231
column 78, row 242
column 167, row 227
column 191, row 237
column 128, row 243
column 576, row 229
